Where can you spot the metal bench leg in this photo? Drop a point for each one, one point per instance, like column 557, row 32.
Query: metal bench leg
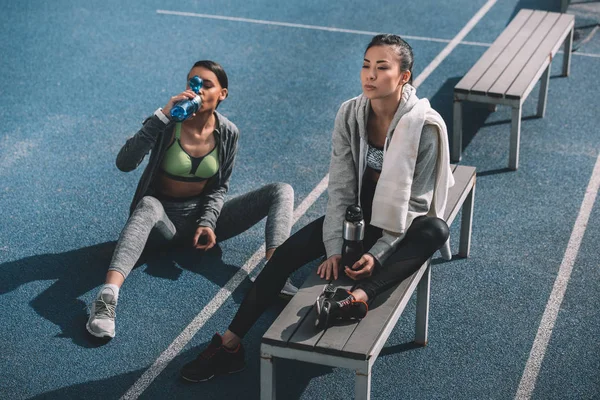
column 541, row 110
column 423, row 307
column 466, row 223
column 457, row 132
column 567, row 55
column 362, row 383
column 515, row 137
column 267, row 377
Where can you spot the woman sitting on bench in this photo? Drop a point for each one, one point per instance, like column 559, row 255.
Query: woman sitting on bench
column 402, row 200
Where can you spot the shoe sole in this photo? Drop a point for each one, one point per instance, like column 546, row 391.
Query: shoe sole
column 322, row 321
column 102, row 335
column 212, row 376
column 328, row 292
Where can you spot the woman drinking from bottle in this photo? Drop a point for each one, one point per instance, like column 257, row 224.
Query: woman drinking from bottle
column 390, row 155
column 180, row 197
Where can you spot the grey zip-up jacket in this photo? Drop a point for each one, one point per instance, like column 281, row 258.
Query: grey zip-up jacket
column 154, row 137
column 348, row 164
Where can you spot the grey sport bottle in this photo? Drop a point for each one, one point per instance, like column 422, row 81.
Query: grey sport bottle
column 353, row 234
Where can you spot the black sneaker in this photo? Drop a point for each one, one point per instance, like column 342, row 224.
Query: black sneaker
column 330, row 292
column 215, row 360
column 342, row 305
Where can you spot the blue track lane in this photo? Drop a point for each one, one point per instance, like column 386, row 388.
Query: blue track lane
column 78, row 79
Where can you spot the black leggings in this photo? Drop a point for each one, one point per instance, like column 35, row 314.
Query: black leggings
column 423, row 238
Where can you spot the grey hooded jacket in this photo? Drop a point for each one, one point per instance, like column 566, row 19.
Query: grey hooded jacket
column 348, row 164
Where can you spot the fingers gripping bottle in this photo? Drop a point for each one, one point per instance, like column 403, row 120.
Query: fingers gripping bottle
column 183, row 109
column 353, row 234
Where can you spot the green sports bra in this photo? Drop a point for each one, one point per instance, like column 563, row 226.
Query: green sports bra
column 177, row 164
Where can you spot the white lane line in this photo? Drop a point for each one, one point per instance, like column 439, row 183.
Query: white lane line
column 577, row 53
column 460, row 36
column 290, row 25
column 542, row 338
column 211, row 308
column 331, row 29
column 179, row 343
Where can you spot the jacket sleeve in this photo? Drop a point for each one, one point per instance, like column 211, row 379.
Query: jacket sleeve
column 421, row 192
column 214, row 197
column 138, row 146
column 342, row 188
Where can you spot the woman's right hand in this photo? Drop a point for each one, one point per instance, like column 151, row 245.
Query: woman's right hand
column 188, row 94
column 330, row 267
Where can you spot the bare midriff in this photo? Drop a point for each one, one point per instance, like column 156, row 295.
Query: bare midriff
column 371, row 174
column 172, row 188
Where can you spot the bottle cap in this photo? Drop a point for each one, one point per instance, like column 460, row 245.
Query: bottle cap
column 354, row 213
column 195, row 83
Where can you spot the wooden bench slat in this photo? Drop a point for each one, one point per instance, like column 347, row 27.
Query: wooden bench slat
column 286, row 324
column 543, row 56
column 491, row 54
column 462, row 175
column 524, row 55
column 483, row 86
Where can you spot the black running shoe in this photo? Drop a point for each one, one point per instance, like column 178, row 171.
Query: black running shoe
column 215, row 360
column 327, row 293
column 346, row 308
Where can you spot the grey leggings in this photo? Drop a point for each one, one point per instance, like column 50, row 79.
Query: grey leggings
column 176, row 221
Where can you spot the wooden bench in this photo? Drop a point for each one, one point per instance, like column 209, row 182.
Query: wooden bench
column 509, row 69
column 356, row 345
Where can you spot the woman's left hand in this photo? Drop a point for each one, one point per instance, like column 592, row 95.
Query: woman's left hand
column 361, row 269
column 204, row 238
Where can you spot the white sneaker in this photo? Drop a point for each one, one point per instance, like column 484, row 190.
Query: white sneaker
column 288, row 290
column 102, row 314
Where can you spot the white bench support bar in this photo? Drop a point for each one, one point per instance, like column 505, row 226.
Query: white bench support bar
column 422, row 320
column 541, row 110
column 466, row 223
column 515, row 137
column 567, row 53
column 267, row 377
column 457, row 132
column 362, row 385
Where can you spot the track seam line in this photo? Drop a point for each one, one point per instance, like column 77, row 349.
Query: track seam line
column 542, row 338
column 329, row 29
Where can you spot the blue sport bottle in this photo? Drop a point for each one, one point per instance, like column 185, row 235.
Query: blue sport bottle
column 183, row 109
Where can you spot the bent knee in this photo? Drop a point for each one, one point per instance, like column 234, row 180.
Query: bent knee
column 149, row 204
column 436, row 230
column 282, row 191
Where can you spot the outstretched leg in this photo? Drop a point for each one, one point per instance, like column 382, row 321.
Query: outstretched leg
column 224, row 353
column 148, row 215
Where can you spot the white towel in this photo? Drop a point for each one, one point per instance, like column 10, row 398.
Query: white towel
column 390, row 204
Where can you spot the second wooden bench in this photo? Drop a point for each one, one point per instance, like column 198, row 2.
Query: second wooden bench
column 510, row 68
